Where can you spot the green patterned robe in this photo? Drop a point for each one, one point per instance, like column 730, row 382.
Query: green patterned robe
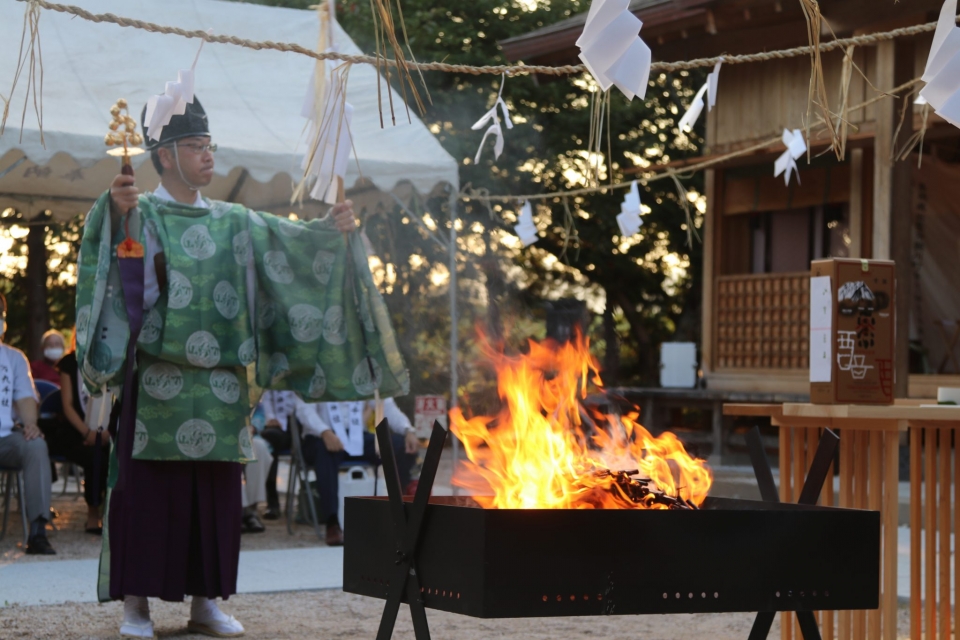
column 310, row 324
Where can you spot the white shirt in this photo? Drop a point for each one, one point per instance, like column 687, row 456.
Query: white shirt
column 315, row 418
column 279, row 406
column 16, row 383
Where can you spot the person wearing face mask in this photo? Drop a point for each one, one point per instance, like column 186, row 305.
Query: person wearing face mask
column 74, row 437
column 53, row 348
column 21, row 443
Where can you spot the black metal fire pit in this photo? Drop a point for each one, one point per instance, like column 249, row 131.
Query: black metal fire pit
column 730, row 555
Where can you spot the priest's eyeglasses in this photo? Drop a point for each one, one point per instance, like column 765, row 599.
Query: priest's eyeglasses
column 198, row 149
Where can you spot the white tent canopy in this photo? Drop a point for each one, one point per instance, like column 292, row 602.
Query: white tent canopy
column 253, row 100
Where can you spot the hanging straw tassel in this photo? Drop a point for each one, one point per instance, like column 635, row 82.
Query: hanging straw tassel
column 916, row 139
column 685, row 204
column 384, row 33
column 817, row 93
column 31, row 58
column 846, row 75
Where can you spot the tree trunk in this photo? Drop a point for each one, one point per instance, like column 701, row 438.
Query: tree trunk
column 38, row 317
column 649, row 363
column 496, row 286
column 611, row 357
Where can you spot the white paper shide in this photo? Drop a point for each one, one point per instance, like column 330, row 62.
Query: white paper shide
column 494, row 129
column 942, row 73
column 611, row 48
column 787, row 162
column 709, row 89
column 629, row 218
column 525, row 229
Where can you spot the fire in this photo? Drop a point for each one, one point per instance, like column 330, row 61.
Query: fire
column 546, row 450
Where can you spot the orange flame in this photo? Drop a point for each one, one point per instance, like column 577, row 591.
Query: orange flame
column 546, row 450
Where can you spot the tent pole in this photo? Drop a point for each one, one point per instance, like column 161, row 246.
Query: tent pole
column 37, row 312
column 454, row 342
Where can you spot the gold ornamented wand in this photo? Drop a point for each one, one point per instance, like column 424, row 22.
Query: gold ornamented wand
column 123, row 135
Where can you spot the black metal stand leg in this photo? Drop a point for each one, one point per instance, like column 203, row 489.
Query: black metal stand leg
column 808, row 625
column 761, row 625
column 761, row 467
column 809, row 495
column 407, row 529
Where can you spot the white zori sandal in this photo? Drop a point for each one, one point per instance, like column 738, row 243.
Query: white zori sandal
column 206, row 618
column 136, row 618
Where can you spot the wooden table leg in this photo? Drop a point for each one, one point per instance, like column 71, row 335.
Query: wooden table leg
column 916, row 525
column 860, row 473
column 875, row 502
column 930, row 532
column 956, row 525
column 826, row 499
column 799, row 473
column 944, row 551
column 847, row 453
column 891, row 467
column 786, row 477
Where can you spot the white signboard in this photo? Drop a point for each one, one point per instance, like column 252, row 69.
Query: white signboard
column 428, row 409
column 821, row 327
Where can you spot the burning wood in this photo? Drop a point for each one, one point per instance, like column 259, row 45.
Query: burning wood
column 643, row 490
column 548, row 449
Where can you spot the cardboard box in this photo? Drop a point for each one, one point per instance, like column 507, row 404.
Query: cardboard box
column 852, row 331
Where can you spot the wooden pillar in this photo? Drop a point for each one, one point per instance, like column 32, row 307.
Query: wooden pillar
column 856, row 202
column 892, row 191
column 710, row 272
column 38, row 319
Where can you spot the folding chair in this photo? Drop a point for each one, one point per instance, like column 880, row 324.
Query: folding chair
column 299, row 471
column 11, row 476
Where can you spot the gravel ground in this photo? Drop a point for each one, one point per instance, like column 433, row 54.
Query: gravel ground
column 319, row 614
column 333, row 614
column 73, row 543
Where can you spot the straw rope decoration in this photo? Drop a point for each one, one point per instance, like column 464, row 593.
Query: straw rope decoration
column 661, row 172
column 509, row 69
column 814, row 50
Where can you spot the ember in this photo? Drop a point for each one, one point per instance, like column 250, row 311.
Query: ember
column 547, row 450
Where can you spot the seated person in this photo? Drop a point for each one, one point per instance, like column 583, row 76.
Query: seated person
column 75, row 440
column 254, row 484
column 277, row 406
column 46, row 367
column 21, row 443
column 335, row 432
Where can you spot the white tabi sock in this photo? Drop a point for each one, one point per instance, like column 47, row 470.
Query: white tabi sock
column 205, row 613
column 136, row 610
column 136, row 618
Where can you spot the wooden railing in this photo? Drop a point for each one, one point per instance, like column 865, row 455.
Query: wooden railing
column 762, row 321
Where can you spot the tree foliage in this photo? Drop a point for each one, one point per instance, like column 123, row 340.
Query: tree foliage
column 648, row 284
column 580, row 251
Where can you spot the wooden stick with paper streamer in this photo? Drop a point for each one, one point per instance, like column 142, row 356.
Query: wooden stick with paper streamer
column 330, row 116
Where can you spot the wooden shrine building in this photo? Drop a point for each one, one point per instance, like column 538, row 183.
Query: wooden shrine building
column 761, row 235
